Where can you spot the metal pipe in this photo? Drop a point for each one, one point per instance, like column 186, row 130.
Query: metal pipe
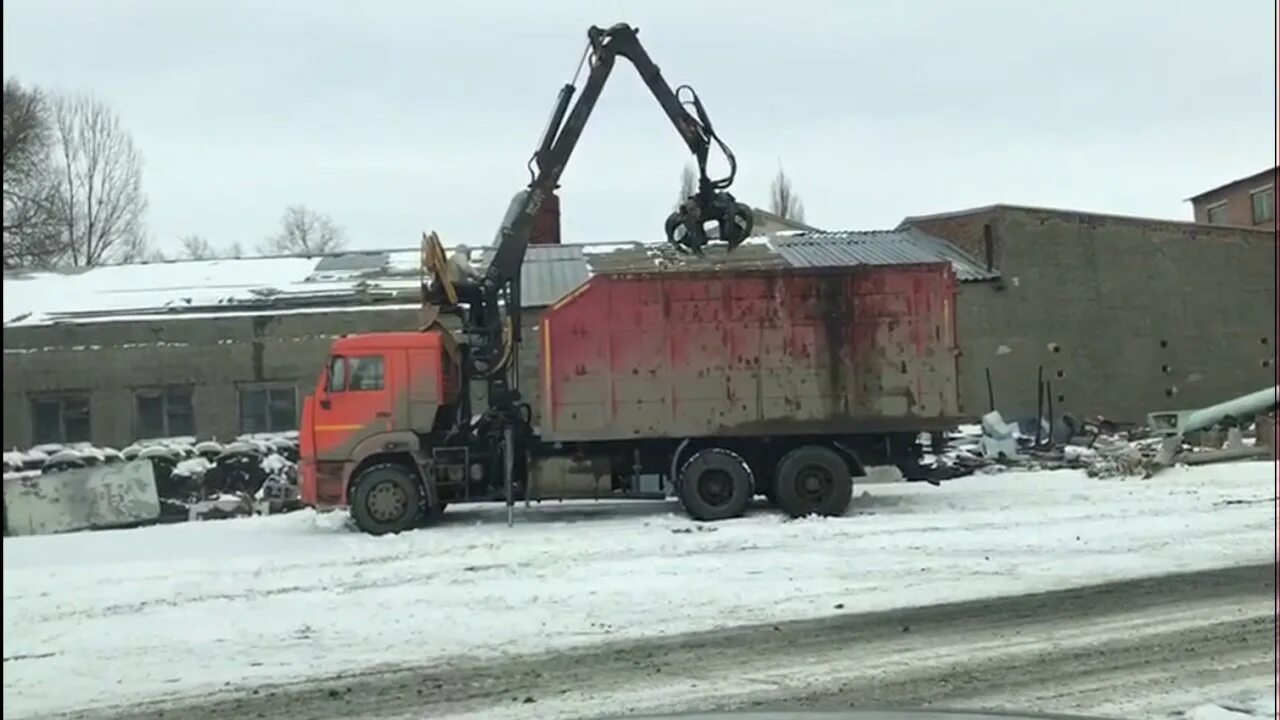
column 508, row 470
column 1048, row 391
column 1039, row 403
column 1178, row 422
column 991, row 393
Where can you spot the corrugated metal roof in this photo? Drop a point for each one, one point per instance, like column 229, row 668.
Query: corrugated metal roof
column 877, row 247
column 549, row 273
column 663, row 257
column 808, row 249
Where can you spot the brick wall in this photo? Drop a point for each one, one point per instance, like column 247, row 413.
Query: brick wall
column 1236, row 202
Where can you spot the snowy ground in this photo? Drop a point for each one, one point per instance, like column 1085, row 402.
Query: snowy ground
column 115, row 617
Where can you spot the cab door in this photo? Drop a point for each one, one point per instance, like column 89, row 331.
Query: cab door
column 354, row 404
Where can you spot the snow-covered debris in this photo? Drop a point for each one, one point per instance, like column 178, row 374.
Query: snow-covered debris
column 209, row 449
column 999, row 438
column 276, row 464
column 14, row 460
column 91, row 455
column 192, row 467
column 239, row 447
column 64, row 459
column 149, row 452
column 187, row 471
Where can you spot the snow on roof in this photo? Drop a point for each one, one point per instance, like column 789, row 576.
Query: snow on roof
column 193, row 289
column 388, row 279
column 42, row 297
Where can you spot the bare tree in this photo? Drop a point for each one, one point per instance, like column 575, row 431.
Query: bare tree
column 304, row 231
column 783, row 199
column 688, row 184
column 196, row 247
column 99, row 202
column 137, row 248
column 30, row 236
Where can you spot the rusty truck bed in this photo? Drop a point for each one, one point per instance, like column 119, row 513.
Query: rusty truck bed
column 753, row 352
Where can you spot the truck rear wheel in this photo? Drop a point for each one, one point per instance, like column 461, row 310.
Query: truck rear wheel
column 387, row 499
column 715, row 484
column 813, row 480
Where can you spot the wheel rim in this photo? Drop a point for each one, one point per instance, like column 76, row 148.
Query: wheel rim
column 387, row 502
column 814, row 484
column 715, row 487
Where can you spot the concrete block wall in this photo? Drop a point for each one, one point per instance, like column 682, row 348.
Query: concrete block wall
column 1126, row 316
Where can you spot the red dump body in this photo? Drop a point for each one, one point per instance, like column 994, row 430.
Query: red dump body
column 749, row 353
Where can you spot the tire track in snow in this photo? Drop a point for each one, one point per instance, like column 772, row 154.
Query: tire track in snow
column 1216, row 614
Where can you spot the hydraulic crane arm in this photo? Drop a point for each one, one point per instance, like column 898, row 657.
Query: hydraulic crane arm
column 686, row 227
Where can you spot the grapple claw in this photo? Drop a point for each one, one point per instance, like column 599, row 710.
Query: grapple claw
column 686, row 227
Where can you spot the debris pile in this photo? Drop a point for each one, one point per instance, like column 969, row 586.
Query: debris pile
column 1098, row 446
column 253, row 474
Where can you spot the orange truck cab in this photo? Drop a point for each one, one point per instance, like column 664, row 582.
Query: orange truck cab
column 380, row 394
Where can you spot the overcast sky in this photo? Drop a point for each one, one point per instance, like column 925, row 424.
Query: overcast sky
column 396, row 117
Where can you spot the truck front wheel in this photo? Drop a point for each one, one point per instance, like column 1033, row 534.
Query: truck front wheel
column 813, row 480
column 715, row 484
column 387, row 499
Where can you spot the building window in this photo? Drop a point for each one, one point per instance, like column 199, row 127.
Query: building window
column 164, row 412
column 1216, row 214
column 1264, row 205
column 268, row 409
column 63, row 419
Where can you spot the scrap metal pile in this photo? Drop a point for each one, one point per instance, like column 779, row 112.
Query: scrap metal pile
column 1099, row 447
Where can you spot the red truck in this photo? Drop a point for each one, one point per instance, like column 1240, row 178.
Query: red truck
column 718, row 387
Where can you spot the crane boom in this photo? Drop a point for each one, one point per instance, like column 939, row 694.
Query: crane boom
column 490, row 304
column 686, row 227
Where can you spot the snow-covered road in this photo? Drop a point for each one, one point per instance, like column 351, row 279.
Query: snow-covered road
column 117, row 617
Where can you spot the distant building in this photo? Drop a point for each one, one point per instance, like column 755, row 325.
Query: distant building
column 1246, row 202
column 768, row 223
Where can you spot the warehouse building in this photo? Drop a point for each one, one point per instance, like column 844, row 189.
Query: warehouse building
column 1121, row 315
